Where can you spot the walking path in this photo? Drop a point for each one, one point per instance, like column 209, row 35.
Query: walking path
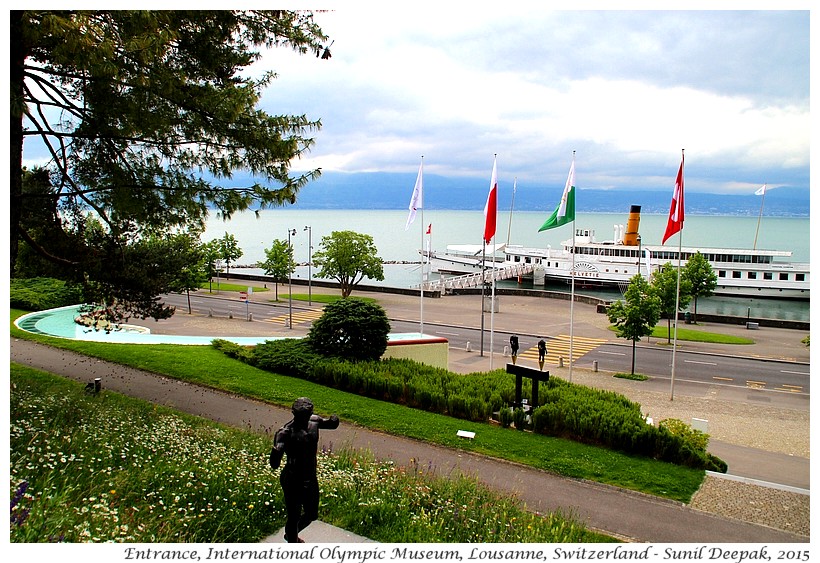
column 719, row 513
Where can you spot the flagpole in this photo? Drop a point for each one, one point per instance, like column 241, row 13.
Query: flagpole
column 492, row 306
column 572, row 296
column 512, row 204
column 572, row 291
column 677, row 298
column 421, row 285
column 483, row 275
column 759, row 215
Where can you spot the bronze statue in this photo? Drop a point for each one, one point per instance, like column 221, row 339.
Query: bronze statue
column 299, row 439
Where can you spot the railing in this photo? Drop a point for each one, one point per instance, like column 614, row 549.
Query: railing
column 473, row 280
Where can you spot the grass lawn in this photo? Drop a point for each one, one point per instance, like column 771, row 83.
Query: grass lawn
column 112, row 468
column 207, row 366
column 695, row 335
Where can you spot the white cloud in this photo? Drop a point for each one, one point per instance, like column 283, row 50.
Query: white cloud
column 459, row 85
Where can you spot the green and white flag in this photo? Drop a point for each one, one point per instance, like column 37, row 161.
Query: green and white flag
column 565, row 212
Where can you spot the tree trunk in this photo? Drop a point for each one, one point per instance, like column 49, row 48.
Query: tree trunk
column 18, row 54
column 633, row 356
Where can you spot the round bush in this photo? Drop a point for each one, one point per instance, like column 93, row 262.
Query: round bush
column 351, row 329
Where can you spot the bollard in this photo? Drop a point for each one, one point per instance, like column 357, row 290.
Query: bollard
column 469, row 348
column 250, row 317
column 560, row 361
column 506, row 351
column 210, row 312
column 230, row 313
column 594, row 365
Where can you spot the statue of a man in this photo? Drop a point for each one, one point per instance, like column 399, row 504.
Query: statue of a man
column 299, row 439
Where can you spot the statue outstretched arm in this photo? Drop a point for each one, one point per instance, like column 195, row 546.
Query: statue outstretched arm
column 278, row 449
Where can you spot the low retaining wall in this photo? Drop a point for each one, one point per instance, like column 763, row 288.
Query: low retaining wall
column 600, row 304
column 429, row 350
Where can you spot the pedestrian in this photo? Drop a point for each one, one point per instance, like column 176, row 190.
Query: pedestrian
column 514, row 347
column 299, row 439
column 542, row 353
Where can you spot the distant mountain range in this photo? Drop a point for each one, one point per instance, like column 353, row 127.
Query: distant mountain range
column 379, row 190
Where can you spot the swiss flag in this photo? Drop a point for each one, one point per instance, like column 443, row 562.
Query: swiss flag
column 675, row 222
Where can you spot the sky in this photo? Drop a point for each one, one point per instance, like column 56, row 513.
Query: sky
column 627, row 89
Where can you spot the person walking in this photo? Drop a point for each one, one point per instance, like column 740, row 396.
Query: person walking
column 542, row 353
column 514, row 347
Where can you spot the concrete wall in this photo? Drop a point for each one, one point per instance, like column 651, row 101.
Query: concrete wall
column 429, row 351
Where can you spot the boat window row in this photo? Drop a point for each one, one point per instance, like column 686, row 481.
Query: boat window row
column 715, row 257
column 781, row 276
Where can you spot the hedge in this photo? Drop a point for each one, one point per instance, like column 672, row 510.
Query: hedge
column 567, row 410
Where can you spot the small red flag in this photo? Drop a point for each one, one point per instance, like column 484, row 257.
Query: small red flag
column 429, row 228
column 491, row 208
column 675, row 222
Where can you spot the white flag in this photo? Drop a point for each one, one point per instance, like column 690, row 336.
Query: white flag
column 416, row 201
column 761, row 190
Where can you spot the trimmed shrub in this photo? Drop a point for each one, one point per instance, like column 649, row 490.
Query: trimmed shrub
column 583, row 414
column 39, row 294
column 352, row 329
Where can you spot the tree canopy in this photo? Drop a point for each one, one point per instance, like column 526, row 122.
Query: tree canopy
column 278, row 262
column 143, row 114
column 348, row 257
column 637, row 315
column 699, row 273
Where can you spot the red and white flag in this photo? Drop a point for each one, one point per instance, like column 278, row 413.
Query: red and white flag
column 675, row 222
column 429, row 228
column 491, row 207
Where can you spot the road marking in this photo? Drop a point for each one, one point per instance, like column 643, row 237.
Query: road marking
column 696, row 362
column 448, row 333
column 611, row 353
column 298, row 318
column 558, row 347
column 793, row 372
column 722, row 378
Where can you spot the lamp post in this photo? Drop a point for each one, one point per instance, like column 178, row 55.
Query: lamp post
column 640, row 256
column 291, row 232
column 310, row 261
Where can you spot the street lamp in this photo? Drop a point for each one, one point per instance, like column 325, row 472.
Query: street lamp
column 310, row 260
column 291, row 232
column 640, row 255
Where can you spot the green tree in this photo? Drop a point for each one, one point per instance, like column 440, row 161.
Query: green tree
column 228, row 250
column 210, row 253
column 192, row 269
column 145, row 115
column 664, row 283
column 348, row 257
column 352, row 329
column 637, row 314
column 278, row 262
column 699, row 273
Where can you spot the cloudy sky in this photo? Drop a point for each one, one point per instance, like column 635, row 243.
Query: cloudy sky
column 625, row 89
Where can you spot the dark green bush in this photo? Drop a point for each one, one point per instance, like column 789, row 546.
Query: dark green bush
column 233, row 350
column 519, row 419
column 351, row 329
column 39, row 294
column 505, row 417
column 294, row 357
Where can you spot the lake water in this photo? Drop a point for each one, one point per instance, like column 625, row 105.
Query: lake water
column 255, row 232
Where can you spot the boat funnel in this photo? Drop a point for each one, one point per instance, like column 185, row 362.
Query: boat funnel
column 631, row 235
